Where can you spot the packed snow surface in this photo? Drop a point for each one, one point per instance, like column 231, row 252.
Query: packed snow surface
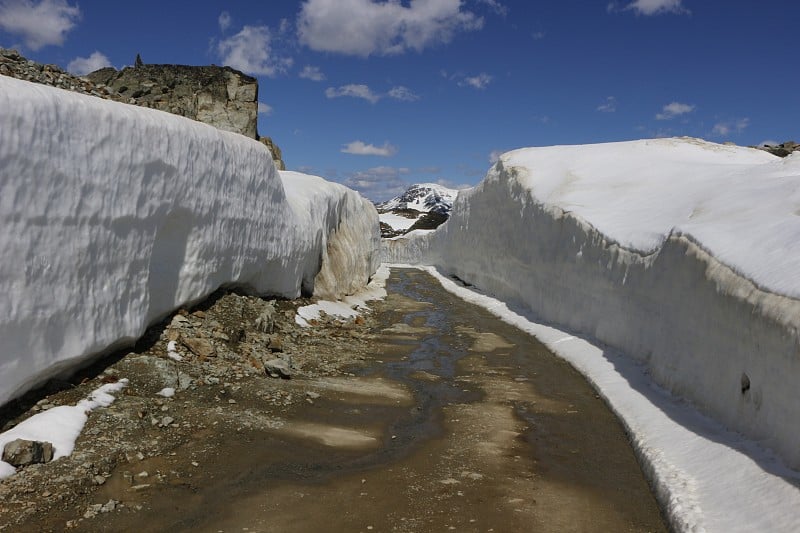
column 60, row 426
column 396, row 222
column 740, row 204
column 681, row 254
column 349, row 306
column 706, row 477
column 113, row 215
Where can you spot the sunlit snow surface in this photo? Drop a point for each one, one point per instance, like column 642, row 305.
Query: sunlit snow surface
column 349, row 306
column 113, row 215
column 60, row 425
column 741, row 204
column 397, row 222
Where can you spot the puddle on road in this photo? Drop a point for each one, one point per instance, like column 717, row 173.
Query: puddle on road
column 336, row 437
column 460, row 422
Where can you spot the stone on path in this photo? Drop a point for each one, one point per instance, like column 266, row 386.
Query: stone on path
column 21, row 452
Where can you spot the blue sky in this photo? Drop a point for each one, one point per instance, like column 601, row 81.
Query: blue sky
column 382, row 94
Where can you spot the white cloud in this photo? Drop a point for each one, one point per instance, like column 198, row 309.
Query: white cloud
column 496, row 6
column 250, row 51
column 84, row 65
column 38, row 23
column 652, row 7
column 481, row 81
column 721, row 129
column 224, row 21
column 404, row 94
column 361, row 148
column 264, row 109
column 312, row 73
column 538, row 35
column 378, row 183
column 674, row 109
column 494, row 156
column 367, row 27
column 609, row 106
column 354, row 91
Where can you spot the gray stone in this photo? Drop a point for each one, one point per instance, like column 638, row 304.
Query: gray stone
column 21, row 452
column 278, row 368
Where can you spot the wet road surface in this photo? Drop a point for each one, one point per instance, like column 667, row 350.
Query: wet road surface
column 459, row 422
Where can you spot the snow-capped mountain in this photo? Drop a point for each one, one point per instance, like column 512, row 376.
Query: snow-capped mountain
column 425, row 197
column 423, row 206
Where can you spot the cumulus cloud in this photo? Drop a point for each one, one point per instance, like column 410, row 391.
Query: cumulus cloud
column 250, row 51
column 361, row 148
column 84, row 65
column 312, row 73
column 354, row 91
column 404, row 94
column 721, row 129
column 674, row 109
column 609, row 106
column 224, row 21
column 38, row 23
column 651, row 7
column 368, row 27
column 378, row 183
column 264, row 109
column 480, row 82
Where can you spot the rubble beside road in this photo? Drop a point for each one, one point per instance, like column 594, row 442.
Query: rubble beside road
column 216, row 369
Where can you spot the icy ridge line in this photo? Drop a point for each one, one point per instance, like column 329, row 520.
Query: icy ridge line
column 706, row 333
column 112, row 215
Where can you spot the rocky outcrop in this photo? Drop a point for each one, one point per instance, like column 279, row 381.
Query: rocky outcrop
column 275, row 150
column 12, row 64
column 781, row 150
column 220, row 96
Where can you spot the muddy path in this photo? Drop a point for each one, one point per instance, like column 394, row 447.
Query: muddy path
column 447, row 420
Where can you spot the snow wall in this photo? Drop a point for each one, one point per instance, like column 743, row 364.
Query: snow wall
column 113, row 215
column 682, row 254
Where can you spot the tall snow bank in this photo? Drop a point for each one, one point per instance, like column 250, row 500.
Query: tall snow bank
column 343, row 224
column 680, row 253
column 113, row 215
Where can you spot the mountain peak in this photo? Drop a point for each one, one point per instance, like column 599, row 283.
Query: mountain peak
column 424, row 197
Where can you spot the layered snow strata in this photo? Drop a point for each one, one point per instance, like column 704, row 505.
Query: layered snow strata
column 113, row 215
column 680, row 253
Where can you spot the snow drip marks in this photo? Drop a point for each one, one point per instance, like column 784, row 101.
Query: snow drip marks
column 166, row 260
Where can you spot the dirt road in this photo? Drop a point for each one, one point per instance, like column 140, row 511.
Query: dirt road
column 453, row 421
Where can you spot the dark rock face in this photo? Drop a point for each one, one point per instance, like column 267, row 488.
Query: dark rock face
column 220, row 96
column 22, row 452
